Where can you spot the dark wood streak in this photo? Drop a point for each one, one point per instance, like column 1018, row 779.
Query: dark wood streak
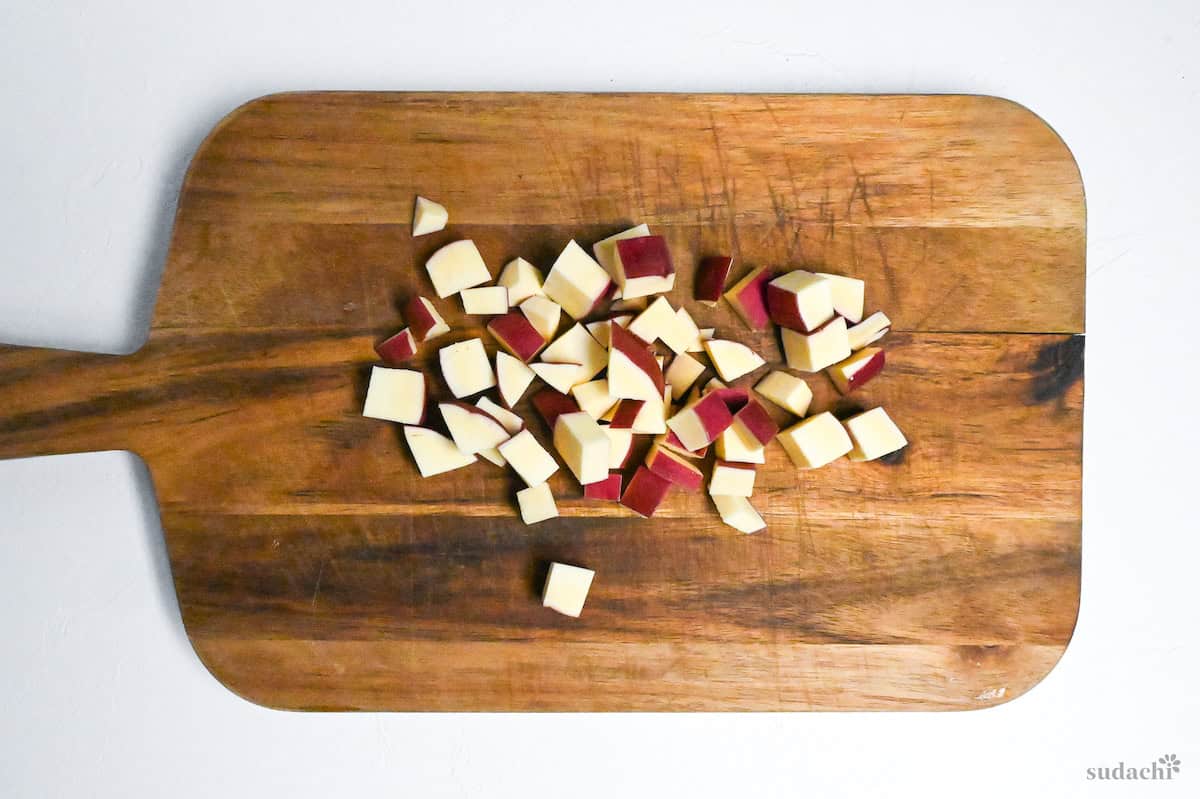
column 239, row 385
column 1057, row 367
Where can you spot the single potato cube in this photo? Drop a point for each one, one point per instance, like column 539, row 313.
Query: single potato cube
column 732, row 446
column 593, row 398
column 457, row 266
column 800, row 300
column 528, row 458
column 869, row 330
column 700, row 422
column 732, row 359
column 513, row 377
column 543, row 313
column 645, row 492
column 492, row 456
column 787, row 391
column 731, row 479
column 654, row 323
column 423, row 319
column 643, row 266
column 428, row 217
column 856, row 370
column 633, row 373
column 395, row 395
column 583, row 446
column 672, row 466
column 816, row 441
column 874, row 435
column 738, row 513
column 536, row 504
column 605, row 250
column 748, row 297
column 848, row 295
column 485, row 300
column 609, row 488
column 465, row 368
column 620, row 446
column 567, row 588
column 398, row 348
column 576, row 282
column 514, row 332
column 522, row 279
column 682, row 372
column 433, row 452
column 812, row 352
column 711, row 276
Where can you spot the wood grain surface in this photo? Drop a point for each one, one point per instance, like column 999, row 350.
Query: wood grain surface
column 315, row 570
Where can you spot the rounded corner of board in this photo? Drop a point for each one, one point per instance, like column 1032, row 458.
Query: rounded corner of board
column 996, row 696
column 236, row 113
column 229, row 682
column 1040, row 123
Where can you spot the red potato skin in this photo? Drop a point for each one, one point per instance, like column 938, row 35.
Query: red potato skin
column 475, row 409
column 645, row 256
column 671, row 467
column 608, row 488
column 397, row 349
column 516, row 334
column 419, row 320
column 673, row 443
column 713, row 414
column 711, row 276
column 735, row 465
column 872, row 367
column 627, row 413
column 645, row 492
column 550, row 405
column 821, row 327
column 601, row 303
column 781, row 307
column 638, row 352
column 754, row 417
column 750, row 300
column 734, row 398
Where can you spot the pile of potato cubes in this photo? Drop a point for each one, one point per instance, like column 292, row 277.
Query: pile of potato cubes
column 628, row 364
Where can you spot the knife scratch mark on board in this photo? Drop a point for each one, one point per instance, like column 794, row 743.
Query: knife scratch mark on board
column 233, row 311
column 728, row 188
column 859, row 191
column 317, row 587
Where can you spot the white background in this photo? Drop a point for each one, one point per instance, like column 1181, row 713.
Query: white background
column 102, row 105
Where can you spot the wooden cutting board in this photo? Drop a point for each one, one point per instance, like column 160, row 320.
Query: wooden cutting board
column 315, row 570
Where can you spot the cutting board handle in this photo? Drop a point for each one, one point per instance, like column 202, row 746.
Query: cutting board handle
column 54, row 402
